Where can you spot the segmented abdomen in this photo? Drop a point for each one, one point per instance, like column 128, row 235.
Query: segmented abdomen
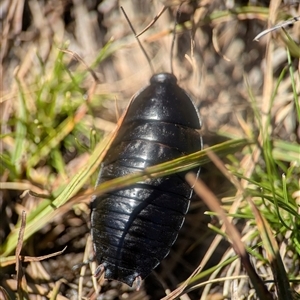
column 134, row 228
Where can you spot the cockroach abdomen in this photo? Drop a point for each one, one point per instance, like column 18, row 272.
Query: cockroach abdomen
column 134, row 228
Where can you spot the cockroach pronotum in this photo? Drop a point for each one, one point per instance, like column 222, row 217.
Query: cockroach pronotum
column 134, row 228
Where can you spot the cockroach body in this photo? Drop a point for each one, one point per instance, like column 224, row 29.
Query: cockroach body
column 134, row 228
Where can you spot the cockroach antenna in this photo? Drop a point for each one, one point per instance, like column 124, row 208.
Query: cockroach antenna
column 154, row 20
column 138, row 40
column 174, row 37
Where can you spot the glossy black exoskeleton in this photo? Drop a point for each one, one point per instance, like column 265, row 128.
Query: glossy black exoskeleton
column 134, row 228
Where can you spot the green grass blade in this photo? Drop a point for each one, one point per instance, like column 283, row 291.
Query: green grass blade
column 46, row 211
column 21, row 130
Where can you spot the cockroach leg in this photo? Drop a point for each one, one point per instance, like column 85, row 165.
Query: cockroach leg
column 99, row 271
column 137, row 282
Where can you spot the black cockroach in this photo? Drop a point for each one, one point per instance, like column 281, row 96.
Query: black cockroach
column 134, row 228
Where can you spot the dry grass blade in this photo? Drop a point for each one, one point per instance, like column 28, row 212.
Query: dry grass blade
column 4, row 294
column 176, row 293
column 78, row 58
column 220, row 165
column 278, row 26
column 212, row 202
column 218, row 280
column 13, row 259
column 21, row 280
column 26, row 187
column 40, row 258
column 86, row 257
column 36, row 289
column 216, row 44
